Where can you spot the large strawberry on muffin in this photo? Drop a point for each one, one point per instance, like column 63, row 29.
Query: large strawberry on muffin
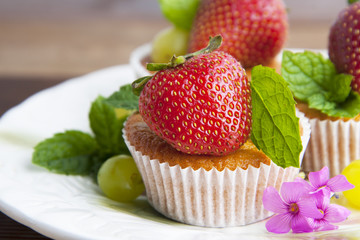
column 254, row 31
column 200, row 104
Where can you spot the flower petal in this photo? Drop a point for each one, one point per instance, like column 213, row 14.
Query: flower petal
column 307, row 185
column 291, row 192
column 308, row 208
column 300, row 224
column 335, row 213
column 339, row 183
column 279, row 223
column 273, row 202
column 320, row 178
column 322, row 199
column 317, row 223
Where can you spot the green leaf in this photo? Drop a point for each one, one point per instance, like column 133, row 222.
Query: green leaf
column 307, row 73
column 348, row 109
column 107, row 123
column 314, row 79
column 275, row 128
column 340, row 88
column 74, row 152
column 352, row 1
column 124, row 98
column 70, row 152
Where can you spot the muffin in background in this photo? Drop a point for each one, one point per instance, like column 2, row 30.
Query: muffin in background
column 334, row 142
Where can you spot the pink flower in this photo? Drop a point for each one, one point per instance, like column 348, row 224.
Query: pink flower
column 320, row 181
column 305, row 207
column 293, row 208
column 332, row 213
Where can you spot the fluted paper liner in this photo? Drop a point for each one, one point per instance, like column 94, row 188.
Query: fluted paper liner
column 333, row 143
column 212, row 198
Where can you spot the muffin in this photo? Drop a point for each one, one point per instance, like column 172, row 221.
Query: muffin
column 202, row 190
column 191, row 138
column 215, row 185
column 334, row 142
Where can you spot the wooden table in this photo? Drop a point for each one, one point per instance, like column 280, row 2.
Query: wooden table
column 42, row 45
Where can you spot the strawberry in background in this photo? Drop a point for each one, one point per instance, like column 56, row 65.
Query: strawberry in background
column 254, row 31
column 344, row 43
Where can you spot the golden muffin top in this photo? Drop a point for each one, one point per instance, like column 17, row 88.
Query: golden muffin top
column 147, row 142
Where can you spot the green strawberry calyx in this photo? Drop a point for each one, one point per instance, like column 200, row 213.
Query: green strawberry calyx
column 138, row 85
column 214, row 43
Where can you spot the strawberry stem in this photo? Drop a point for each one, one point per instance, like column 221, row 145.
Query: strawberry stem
column 138, row 85
column 214, row 43
column 175, row 61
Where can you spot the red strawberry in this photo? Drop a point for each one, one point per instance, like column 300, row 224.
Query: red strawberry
column 344, row 43
column 254, row 31
column 202, row 106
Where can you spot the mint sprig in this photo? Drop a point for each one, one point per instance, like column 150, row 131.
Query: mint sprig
column 78, row 153
column 314, row 80
column 124, row 98
column 70, row 152
column 275, row 128
column 107, row 126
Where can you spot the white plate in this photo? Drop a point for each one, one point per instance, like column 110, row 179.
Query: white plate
column 72, row 207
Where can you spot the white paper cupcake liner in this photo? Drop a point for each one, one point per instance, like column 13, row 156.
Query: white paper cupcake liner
column 333, row 143
column 212, row 198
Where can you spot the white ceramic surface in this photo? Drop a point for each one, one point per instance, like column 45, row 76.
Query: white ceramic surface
column 72, row 207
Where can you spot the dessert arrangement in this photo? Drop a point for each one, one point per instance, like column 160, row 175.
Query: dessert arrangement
column 217, row 133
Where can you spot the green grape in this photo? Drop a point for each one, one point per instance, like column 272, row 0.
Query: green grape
column 179, row 12
column 120, row 179
column 352, row 173
column 122, row 113
column 169, row 42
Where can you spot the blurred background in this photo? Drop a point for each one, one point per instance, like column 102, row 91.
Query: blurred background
column 45, row 42
column 51, row 38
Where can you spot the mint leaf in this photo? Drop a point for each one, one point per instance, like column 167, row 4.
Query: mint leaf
column 349, row 108
column 124, row 98
column 107, row 123
column 107, row 117
column 275, row 128
column 307, row 73
column 67, row 153
column 340, row 88
column 75, row 152
column 314, row 79
column 318, row 101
